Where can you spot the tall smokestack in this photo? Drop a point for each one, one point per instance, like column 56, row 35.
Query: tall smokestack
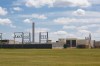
column 33, row 32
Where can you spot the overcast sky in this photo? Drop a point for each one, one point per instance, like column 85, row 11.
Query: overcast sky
column 61, row 18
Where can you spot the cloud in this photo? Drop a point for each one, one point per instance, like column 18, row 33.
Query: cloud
column 72, row 3
column 75, row 27
column 69, row 27
column 79, row 12
column 3, row 11
column 39, row 16
column 60, row 33
column 17, row 9
column 7, row 22
column 82, row 28
column 55, row 3
column 95, row 2
column 35, row 16
column 27, row 21
column 84, row 31
column 93, row 25
column 64, row 20
column 38, row 3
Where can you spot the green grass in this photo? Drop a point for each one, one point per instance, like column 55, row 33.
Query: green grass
column 49, row 57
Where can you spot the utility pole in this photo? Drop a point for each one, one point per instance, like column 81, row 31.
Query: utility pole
column 89, row 40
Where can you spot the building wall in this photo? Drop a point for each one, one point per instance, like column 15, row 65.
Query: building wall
column 57, row 45
column 49, row 41
column 12, row 42
column 97, row 44
column 8, row 42
column 85, row 42
column 62, row 41
column 81, row 42
column 4, row 41
column 71, row 42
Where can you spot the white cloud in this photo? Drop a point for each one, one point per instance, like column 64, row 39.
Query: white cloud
column 72, row 36
column 38, row 3
column 27, row 21
column 82, row 28
column 69, row 27
column 94, row 1
column 64, row 20
column 88, row 14
column 79, row 12
column 60, row 33
column 3, row 11
column 39, row 16
column 36, row 16
column 55, row 3
column 84, row 31
column 93, row 25
column 7, row 22
column 17, row 9
column 72, row 3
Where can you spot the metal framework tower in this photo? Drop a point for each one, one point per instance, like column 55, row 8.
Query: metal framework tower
column 27, row 38
column 43, row 37
column 89, row 40
column 0, row 36
column 19, row 35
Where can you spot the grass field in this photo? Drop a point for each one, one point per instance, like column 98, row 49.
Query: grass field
column 49, row 57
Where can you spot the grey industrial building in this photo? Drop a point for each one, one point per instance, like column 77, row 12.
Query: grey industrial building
column 73, row 43
column 9, row 42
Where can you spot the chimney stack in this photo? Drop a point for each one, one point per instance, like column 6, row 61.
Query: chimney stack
column 33, row 32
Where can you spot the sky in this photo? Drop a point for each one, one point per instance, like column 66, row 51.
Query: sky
column 61, row 18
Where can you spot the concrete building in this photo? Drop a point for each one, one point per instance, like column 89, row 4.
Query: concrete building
column 97, row 44
column 59, row 44
column 73, row 43
column 82, row 43
column 49, row 41
column 8, row 42
column 62, row 40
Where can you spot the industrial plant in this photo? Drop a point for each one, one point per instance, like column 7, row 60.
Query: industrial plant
column 44, row 42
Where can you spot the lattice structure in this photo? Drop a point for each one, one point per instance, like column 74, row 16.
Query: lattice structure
column 43, row 37
column 27, row 38
column 89, row 40
column 0, row 36
column 19, row 35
